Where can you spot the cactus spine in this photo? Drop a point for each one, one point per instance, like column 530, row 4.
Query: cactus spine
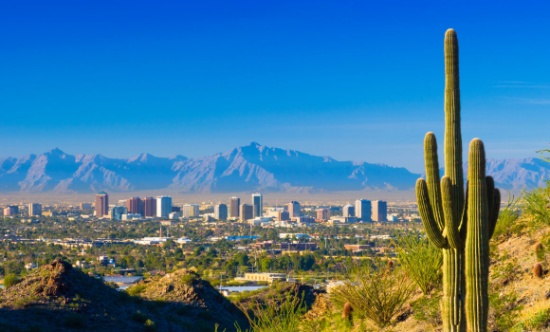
column 447, row 212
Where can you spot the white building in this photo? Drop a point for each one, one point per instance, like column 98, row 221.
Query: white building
column 164, row 206
column 190, row 210
column 363, row 209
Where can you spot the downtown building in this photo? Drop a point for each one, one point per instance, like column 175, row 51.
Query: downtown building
column 379, row 211
column 257, row 203
column 149, row 207
column 234, row 206
column 363, row 210
column 164, row 206
column 101, row 205
column 294, row 209
column 246, row 212
column 220, row 212
column 35, row 209
column 190, row 211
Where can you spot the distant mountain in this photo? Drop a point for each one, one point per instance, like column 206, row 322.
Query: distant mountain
column 253, row 167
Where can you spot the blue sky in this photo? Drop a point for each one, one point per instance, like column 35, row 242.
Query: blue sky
column 355, row 80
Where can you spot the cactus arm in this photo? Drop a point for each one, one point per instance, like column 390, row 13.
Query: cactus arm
column 425, row 209
column 432, row 178
column 477, row 241
column 451, row 223
column 493, row 212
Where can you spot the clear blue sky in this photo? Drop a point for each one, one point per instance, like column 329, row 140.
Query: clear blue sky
column 356, row 80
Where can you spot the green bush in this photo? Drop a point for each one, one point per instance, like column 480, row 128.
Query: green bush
column 421, row 260
column 427, row 309
column 136, row 289
column 506, row 223
column 283, row 313
column 536, row 204
column 376, row 294
column 10, row 280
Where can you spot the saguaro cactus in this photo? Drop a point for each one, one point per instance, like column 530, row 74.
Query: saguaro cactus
column 447, row 212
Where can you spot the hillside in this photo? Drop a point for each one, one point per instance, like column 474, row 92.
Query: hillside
column 57, row 297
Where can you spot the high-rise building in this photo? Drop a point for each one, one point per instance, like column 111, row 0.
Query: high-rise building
column 323, row 214
column 35, row 209
column 11, row 210
column 234, row 206
column 257, row 203
column 190, row 210
column 220, row 212
column 85, row 206
column 164, row 206
column 363, row 209
column 101, row 205
column 348, row 211
column 379, row 211
column 247, row 212
column 294, row 209
column 117, row 212
column 149, row 207
column 135, row 205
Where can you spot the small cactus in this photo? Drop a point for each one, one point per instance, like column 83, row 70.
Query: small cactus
column 539, row 251
column 346, row 313
column 537, row 270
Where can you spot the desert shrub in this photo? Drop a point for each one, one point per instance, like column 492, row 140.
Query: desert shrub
column 503, row 310
column 539, row 321
column 136, row 289
column 507, row 218
column 285, row 316
column 540, row 252
column 375, row 293
column 421, row 260
column 189, row 279
column 10, row 280
column 427, row 309
column 537, row 204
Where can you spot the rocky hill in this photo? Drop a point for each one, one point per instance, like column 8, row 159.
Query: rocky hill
column 57, row 297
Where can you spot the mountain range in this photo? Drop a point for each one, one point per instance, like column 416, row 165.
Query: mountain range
column 253, row 167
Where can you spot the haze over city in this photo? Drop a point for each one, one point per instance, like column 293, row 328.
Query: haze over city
column 356, row 81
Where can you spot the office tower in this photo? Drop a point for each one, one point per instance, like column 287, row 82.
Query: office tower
column 294, row 209
column 379, row 211
column 220, row 212
column 257, row 203
column 234, row 205
column 190, row 210
column 283, row 215
column 348, row 211
column 363, row 209
column 247, row 212
column 164, row 206
column 135, row 205
column 323, row 214
column 35, row 209
column 149, row 207
column 101, row 205
column 85, row 206
column 117, row 212
column 11, row 210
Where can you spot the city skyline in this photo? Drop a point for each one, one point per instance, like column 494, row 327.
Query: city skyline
column 355, row 81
